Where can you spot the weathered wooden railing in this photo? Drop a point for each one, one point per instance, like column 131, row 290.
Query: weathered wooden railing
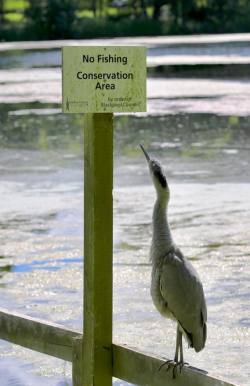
column 128, row 364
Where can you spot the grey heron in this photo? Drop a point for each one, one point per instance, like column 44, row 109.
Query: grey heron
column 176, row 288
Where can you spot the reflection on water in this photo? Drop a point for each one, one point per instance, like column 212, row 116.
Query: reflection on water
column 206, row 157
column 196, row 138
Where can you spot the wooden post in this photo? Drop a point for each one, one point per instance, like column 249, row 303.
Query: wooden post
column 77, row 362
column 98, row 249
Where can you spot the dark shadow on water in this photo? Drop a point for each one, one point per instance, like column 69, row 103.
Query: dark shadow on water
column 212, row 71
column 30, row 58
column 44, row 265
column 47, row 265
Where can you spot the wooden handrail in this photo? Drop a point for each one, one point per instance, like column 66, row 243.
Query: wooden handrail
column 36, row 334
column 129, row 364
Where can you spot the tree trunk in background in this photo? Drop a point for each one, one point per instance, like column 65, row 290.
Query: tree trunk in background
column 157, row 9
column 1, row 11
column 143, row 9
column 174, row 9
column 184, row 10
column 181, row 9
column 93, row 7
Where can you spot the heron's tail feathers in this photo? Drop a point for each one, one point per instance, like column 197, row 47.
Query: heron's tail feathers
column 199, row 339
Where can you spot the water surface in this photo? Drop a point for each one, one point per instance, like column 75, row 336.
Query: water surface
column 199, row 130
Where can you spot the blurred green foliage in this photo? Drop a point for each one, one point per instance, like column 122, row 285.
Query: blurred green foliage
column 64, row 19
column 51, row 19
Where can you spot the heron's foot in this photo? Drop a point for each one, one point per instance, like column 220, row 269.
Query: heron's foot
column 168, row 363
column 174, row 365
column 177, row 365
column 171, row 364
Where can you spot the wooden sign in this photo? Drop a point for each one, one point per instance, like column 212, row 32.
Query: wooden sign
column 104, row 79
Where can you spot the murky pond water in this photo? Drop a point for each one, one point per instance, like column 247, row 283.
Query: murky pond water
column 200, row 131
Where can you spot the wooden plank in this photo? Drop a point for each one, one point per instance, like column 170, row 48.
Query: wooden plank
column 77, row 376
column 36, row 334
column 142, row 369
column 128, row 364
column 98, row 249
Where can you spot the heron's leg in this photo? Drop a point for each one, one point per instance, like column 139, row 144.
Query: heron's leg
column 181, row 349
column 170, row 362
column 178, row 344
column 181, row 363
column 177, row 350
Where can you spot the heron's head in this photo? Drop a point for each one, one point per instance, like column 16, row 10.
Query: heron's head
column 158, row 176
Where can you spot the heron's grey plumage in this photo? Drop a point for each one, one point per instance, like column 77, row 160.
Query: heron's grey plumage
column 176, row 289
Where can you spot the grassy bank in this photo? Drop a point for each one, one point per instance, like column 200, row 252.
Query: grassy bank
column 84, row 28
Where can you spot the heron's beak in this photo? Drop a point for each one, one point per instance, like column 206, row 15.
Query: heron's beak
column 145, row 153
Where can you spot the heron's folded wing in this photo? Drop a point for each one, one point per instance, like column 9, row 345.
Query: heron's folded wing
column 181, row 288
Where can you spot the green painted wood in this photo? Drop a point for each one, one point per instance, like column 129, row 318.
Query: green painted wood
column 36, row 334
column 142, row 369
column 77, row 375
column 98, row 249
column 128, row 364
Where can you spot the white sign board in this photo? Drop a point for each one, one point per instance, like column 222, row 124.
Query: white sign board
column 104, row 79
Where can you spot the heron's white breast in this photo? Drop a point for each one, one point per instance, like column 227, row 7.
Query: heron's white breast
column 158, row 300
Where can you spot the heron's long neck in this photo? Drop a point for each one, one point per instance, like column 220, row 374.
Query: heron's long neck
column 162, row 239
